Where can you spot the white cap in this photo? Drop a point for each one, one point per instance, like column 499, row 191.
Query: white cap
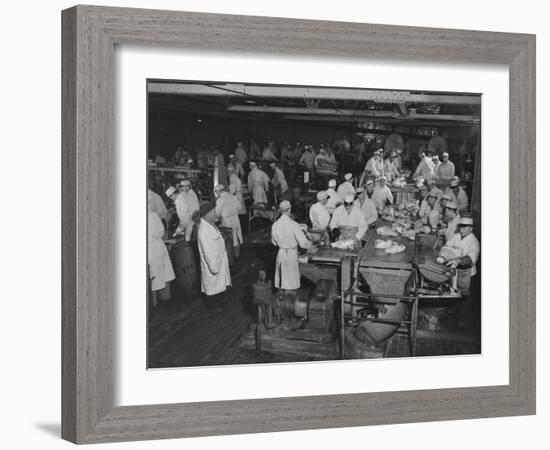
column 219, row 187
column 185, row 183
column 444, row 154
column 321, row 195
column 435, row 156
column 349, row 198
column 454, row 182
column 369, row 182
column 170, row 191
column 231, row 156
column 284, row 205
column 466, row 221
column 252, row 164
column 273, row 164
column 452, row 205
column 332, row 183
column 348, row 176
column 382, row 178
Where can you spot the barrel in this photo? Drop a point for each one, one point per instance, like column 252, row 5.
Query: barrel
column 184, row 261
column 227, row 233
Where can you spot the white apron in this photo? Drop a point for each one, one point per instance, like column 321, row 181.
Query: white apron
column 160, row 266
column 215, row 276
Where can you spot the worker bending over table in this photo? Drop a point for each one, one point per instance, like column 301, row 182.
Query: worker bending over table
column 348, row 215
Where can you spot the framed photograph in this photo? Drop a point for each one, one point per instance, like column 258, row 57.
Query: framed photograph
column 265, row 229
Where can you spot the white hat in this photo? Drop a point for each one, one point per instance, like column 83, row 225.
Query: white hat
column 435, row 156
column 231, row 156
column 454, row 182
column 219, row 187
column 452, row 205
column 382, row 178
column 321, row 195
column 252, row 164
column 469, row 221
column 170, row 191
column 284, row 205
column 348, row 176
column 431, row 194
column 444, row 154
column 185, row 183
column 369, row 182
column 349, row 198
column 332, row 183
column 273, row 164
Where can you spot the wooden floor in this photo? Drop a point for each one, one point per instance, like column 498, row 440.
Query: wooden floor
column 182, row 333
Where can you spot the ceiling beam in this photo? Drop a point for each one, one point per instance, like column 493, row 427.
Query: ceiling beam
column 242, row 90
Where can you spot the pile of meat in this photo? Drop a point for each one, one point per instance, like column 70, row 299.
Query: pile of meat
column 389, row 246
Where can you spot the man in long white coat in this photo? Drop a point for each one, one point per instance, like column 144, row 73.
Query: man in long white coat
column 227, row 209
column 288, row 236
column 258, row 183
column 318, row 213
column 425, row 167
column 161, row 271
column 235, row 166
column 346, row 187
column 236, row 189
column 215, row 276
column 349, row 215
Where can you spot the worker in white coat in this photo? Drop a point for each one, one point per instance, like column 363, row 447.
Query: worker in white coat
column 236, row 189
column 227, row 210
column 258, row 183
column 446, row 169
column 288, row 236
column 367, row 205
column 425, row 168
column 346, row 187
column 156, row 204
column 429, row 212
column 451, row 218
column 349, row 215
column 215, row 276
column 390, row 166
column 375, row 165
column 318, row 213
column 467, row 246
column 458, row 195
column 235, row 166
column 186, row 202
column 382, row 194
column 161, row 271
column 279, row 182
column 334, row 199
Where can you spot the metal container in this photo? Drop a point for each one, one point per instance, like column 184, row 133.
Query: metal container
column 184, row 260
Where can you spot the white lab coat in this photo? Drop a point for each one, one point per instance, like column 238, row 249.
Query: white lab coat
column 375, row 166
column 227, row 208
column 390, row 170
column 461, row 199
column 319, row 216
column 156, row 204
column 287, row 235
column 186, row 204
column 279, row 180
column 160, row 267
column 345, row 188
column 355, row 218
column 215, row 276
column 425, row 169
column 380, row 195
column 258, row 184
column 235, row 188
column 333, row 200
column 469, row 246
column 368, row 208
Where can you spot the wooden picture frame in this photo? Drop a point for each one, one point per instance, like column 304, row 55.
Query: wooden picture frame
column 89, row 37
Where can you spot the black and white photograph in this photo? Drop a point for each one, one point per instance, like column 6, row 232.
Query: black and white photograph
column 309, row 223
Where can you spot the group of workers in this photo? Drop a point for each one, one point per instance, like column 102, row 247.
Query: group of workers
column 338, row 207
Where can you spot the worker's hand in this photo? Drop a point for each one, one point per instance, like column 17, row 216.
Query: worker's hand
column 453, row 264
